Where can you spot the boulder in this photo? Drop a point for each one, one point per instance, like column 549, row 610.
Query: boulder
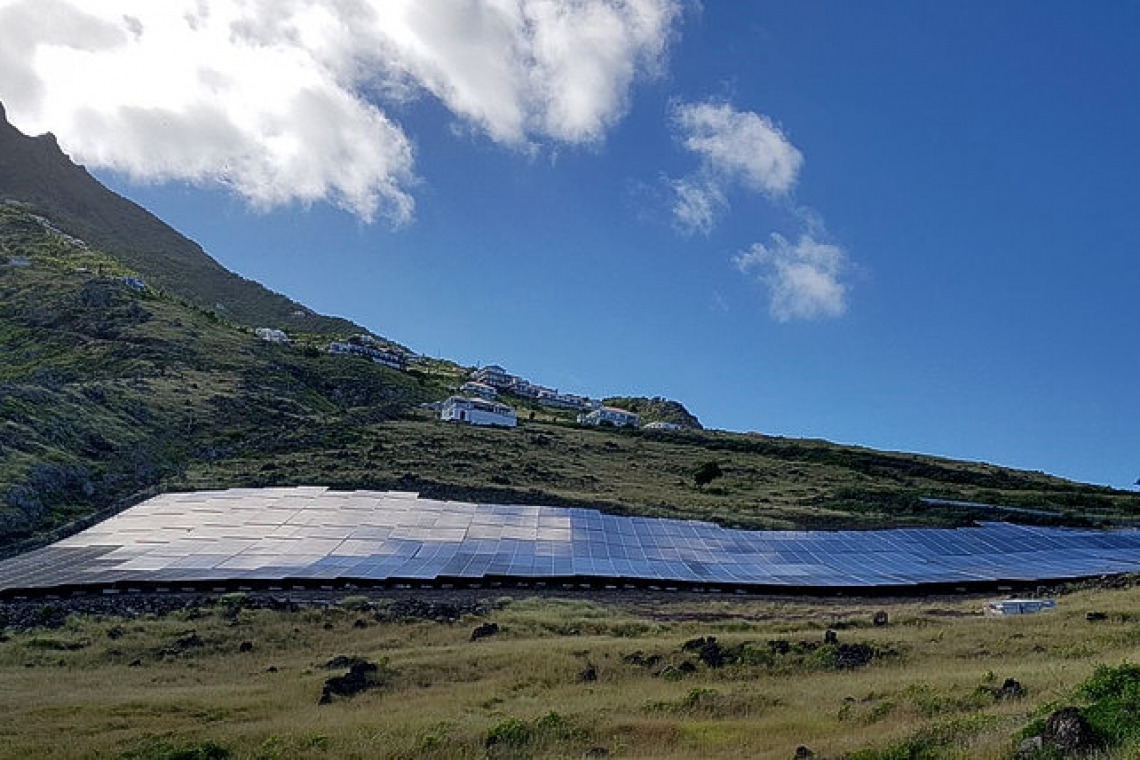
column 1068, row 731
column 484, row 630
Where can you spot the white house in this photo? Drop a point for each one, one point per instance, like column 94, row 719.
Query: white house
column 661, row 426
column 271, row 335
column 495, row 376
column 608, row 415
column 477, row 411
column 482, row 390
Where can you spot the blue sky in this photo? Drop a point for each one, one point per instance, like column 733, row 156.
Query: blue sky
column 910, row 226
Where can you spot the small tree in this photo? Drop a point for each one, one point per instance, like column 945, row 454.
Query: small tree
column 707, row 473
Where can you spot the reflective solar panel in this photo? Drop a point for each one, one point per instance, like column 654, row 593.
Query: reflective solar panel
column 316, row 534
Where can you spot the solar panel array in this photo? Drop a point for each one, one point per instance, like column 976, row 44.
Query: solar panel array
column 314, row 534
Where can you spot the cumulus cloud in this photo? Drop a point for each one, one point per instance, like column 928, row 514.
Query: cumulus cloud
column 734, row 148
column 290, row 100
column 802, row 278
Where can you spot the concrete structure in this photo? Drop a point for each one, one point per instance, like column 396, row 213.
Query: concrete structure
column 271, row 335
column 494, row 376
column 370, row 350
column 661, row 426
column 477, row 411
column 1020, row 606
column 608, row 415
column 482, row 390
column 564, row 401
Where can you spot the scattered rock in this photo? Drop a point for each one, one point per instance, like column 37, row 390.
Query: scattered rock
column 879, row 618
column 484, row 630
column 853, row 655
column 115, row 632
column 1095, row 617
column 1010, row 689
column 780, row 646
column 360, row 677
column 803, row 753
column 593, row 753
column 1068, row 731
column 135, row 664
column 271, row 669
column 1031, row 747
column 589, row 674
column 830, row 637
column 245, row 646
column 708, row 650
column 358, row 623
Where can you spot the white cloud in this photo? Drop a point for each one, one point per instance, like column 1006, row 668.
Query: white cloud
column 283, row 100
column 803, row 278
column 697, row 204
column 734, row 148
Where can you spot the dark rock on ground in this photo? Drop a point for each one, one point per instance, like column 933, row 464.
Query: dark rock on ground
column 780, row 646
column 1095, row 617
column 245, row 646
column 484, row 630
column 880, row 618
column 590, row 673
column 360, row 677
column 708, row 650
column 803, row 753
column 1011, row 689
column 830, row 637
column 853, row 655
column 1067, row 730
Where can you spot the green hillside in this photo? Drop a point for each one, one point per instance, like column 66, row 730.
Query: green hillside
column 34, row 170
column 107, row 391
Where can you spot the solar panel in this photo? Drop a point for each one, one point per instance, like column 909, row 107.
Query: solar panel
column 314, row 533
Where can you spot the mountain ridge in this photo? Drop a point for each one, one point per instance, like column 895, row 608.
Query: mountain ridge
column 35, row 171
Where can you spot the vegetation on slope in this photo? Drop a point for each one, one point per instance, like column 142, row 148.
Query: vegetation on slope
column 656, row 409
column 107, row 391
column 573, row 674
column 34, row 171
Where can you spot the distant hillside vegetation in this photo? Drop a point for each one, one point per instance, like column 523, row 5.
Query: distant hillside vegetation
column 111, row 388
column 656, row 409
column 35, row 171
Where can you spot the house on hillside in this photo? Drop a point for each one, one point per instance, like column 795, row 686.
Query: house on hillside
column 661, row 426
column 477, row 411
column 271, row 335
column 558, row 400
column 494, row 376
column 371, row 351
column 608, row 415
column 482, row 390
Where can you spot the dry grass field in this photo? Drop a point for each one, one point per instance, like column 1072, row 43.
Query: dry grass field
column 568, row 674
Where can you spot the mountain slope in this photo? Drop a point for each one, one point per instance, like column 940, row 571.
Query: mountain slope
column 109, row 390
column 34, row 170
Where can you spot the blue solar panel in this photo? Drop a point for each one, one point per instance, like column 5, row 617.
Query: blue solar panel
column 313, row 533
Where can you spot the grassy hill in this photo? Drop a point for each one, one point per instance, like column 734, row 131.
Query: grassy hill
column 107, row 392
